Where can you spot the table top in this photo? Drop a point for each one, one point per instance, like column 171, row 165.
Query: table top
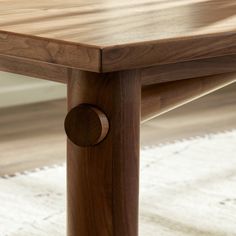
column 110, row 35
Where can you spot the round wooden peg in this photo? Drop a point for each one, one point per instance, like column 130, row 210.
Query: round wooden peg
column 86, row 125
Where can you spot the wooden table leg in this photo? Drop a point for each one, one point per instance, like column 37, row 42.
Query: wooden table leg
column 103, row 180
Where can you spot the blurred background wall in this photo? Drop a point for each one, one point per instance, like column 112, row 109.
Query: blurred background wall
column 22, row 90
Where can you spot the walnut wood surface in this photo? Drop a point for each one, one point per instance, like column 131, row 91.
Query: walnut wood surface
column 188, row 70
column 103, row 36
column 149, row 75
column 103, row 180
column 50, row 51
column 25, row 132
column 161, row 98
column 34, row 69
column 86, row 125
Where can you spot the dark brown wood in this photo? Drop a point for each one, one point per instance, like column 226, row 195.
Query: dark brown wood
column 86, row 125
column 106, row 36
column 149, row 75
column 165, row 52
column 161, row 98
column 50, row 51
column 113, row 35
column 103, row 180
column 26, row 132
column 34, row 69
column 188, row 70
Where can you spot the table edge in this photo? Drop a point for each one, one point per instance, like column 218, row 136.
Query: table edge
column 102, row 59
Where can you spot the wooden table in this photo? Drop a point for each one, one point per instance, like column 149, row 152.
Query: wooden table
column 119, row 59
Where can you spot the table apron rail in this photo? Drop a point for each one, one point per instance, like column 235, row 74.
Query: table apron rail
column 161, row 98
column 149, row 76
column 158, row 83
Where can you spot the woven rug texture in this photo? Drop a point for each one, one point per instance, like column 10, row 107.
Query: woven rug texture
column 188, row 188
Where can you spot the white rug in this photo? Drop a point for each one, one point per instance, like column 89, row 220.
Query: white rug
column 188, row 188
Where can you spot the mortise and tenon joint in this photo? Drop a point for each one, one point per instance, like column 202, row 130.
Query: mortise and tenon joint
column 86, row 125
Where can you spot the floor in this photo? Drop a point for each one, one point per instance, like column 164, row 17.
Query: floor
column 192, row 181
column 32, row 136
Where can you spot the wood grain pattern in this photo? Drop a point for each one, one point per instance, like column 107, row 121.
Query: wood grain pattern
column 50, row 51
column 103, row 36
column 25, row 131
column 161, row 98
column 36, row 69
column 167, row 51
column 86, row 125
column 103, row 180
column 149, row 75
column 188, row 70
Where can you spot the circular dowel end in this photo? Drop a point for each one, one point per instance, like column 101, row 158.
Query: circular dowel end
column 86, row 125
